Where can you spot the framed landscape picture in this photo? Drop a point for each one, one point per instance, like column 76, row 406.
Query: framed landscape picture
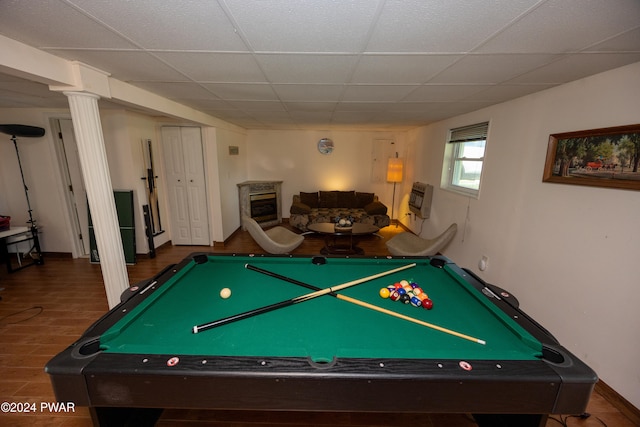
column 607, row 157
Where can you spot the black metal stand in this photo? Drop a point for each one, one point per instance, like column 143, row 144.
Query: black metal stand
column 28, row 132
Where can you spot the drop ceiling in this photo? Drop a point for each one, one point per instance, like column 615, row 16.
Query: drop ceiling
column 327, row 64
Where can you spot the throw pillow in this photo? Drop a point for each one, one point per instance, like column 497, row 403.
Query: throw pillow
column 346, row 199
column 375, row 208
column 328, row 199
column 363, row 199
column 309, row 199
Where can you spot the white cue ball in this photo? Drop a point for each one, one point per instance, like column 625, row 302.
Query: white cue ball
column 225, row 293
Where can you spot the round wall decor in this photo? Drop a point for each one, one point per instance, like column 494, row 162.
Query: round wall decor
column 325, row 145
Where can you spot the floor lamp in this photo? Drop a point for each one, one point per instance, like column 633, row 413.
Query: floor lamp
column 394, row 174
column 25, row 131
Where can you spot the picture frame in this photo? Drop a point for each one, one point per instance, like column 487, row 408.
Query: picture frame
column 606, row 157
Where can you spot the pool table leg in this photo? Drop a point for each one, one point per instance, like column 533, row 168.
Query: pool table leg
column 510, row 420
column 138, row 417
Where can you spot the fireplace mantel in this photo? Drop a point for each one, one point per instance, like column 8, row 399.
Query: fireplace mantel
column 248, row 188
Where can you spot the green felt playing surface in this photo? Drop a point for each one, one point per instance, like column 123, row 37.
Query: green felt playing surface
column 322, row 328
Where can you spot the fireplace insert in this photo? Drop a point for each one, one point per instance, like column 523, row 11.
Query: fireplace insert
column 264, row 206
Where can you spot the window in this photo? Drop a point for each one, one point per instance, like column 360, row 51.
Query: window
column 464, row 156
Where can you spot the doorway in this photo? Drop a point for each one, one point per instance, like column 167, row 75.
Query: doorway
column 186, row 185
column 75, row 194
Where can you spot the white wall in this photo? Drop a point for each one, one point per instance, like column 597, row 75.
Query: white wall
column 224, row 172
column 42, row 177
column 569, row 253
column 293, row 157
column 123, row 133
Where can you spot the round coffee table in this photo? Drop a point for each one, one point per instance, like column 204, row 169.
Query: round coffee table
column 346, row 245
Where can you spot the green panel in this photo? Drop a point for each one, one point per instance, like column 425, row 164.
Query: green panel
column 321, row 328
column 129, row 245
column 125, row 211
column 124, row 207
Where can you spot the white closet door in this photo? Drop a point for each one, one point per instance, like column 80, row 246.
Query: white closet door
column 184, row 167
column 196, row 189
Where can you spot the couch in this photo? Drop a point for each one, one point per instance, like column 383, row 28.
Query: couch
column 326, row 206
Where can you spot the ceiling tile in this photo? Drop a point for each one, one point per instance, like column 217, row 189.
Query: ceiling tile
column 315, row 69
column 490, row 68
column 36, row 23
column 205, row 103
column 566, row 26
column 315, row 117
column 304, row 26
column 352, row 116
column 168, row 25
column 573, row 67
column 626, row 42
column 258, row 105
column 310, row 106
column 174, row 90
column 504, row 92
column 376, row 93
column 443, row 93
column 215, row 67
column 441, row 26
column 242, row 91
column 363, row 106
column 400, row 69
column 124, row 65
column 315, row 92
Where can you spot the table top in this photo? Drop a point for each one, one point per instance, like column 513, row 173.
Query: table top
column 13, row 231
column 329, row 228
column 323, row 328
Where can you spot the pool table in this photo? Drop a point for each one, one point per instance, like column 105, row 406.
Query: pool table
column 475, row 351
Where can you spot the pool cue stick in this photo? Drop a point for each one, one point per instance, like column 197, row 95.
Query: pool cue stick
column 297, row 300
column 367, row 305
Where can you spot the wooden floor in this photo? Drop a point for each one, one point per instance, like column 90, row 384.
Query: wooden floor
column 45, row 308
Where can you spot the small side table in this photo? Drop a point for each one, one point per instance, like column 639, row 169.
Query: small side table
column 15, row 236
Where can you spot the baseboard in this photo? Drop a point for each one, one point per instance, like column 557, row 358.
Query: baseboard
column 619, row 402
column 57, row 255
column 405, row 228
column 222, row 244
column 398, row 223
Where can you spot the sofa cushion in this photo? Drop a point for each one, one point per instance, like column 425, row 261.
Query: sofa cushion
column 300, row 208
column 363, row 199
column 309, row 199
column 375, row 208
column 328, row 199
column 346, row 199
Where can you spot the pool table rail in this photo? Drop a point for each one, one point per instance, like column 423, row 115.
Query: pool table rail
column 556, row 383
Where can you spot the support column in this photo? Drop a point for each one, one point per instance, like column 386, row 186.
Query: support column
column 95, row 171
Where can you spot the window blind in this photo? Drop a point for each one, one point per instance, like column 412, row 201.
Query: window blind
column 469, row 133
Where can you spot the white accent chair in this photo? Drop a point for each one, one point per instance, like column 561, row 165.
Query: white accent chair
column 408, row 244
column 276, row 240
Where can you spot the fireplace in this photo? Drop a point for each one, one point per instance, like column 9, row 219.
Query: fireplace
column 264, row 207
column 261, row 200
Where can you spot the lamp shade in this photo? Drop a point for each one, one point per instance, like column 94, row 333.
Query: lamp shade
column 394, row 170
